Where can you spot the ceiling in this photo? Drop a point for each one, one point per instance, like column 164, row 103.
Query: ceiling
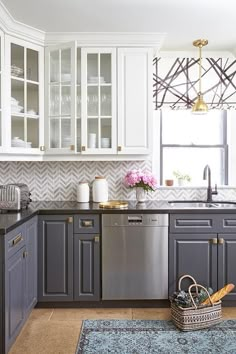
column 181, row 20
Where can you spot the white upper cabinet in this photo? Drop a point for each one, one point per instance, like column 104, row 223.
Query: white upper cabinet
column 134, row 100
column 60, row 90
column 24, row 96
column 1, row 88
column 98, row 98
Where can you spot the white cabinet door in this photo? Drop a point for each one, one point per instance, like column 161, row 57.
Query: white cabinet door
column 134, row 100
column 60, row 90
column 24, row 96
column 2, row 91
column 98, row 93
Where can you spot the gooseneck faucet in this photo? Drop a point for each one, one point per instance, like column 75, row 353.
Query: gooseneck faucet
column 210, row 192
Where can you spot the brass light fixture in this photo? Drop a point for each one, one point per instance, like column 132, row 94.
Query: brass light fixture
column 200, row 107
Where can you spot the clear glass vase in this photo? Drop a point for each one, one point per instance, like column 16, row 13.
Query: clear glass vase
column 141, row 195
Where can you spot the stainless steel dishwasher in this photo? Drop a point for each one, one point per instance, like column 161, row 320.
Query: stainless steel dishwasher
column 134, row 256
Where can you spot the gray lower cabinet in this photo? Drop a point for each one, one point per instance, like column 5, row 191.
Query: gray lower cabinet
column 55, row 258
column 86, row 267
column 204, row 246
column 14, row 300
column 20, row 279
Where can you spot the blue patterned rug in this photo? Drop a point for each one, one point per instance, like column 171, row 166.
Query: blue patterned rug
column 149, row 337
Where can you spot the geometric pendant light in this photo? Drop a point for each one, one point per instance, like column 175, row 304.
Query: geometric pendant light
column 200, row 107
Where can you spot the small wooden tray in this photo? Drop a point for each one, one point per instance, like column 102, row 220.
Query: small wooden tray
column 114, row 204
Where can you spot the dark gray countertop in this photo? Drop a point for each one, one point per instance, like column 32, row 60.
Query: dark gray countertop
column 10, row 220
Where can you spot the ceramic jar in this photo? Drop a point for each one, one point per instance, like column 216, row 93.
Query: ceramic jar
column 100, row 189
column 83, row 192
column 141, row 195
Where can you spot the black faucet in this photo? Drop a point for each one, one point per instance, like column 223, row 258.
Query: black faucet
column 210, row 192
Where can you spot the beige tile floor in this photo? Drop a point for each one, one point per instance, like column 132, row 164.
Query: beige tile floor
column 56, row 331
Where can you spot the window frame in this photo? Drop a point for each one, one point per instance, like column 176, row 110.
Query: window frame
column 223, row 146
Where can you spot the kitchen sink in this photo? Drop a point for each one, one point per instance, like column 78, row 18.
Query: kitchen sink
column 188, row 204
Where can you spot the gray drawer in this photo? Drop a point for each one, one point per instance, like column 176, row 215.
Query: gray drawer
column 228, row 223
column 185, row 223
column 86, row 224
column 14, row 240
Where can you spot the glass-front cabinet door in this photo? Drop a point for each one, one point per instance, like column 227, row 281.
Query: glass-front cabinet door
column 98, row 100
column 60, row 92
column 25, row 95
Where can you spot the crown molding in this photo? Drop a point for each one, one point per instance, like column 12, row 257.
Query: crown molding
column 20, row 30
column 111, row 39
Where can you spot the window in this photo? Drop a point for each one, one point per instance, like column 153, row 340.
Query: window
column 188, row 142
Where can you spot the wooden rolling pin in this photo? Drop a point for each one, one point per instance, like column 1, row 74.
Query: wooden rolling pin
column 219, row 294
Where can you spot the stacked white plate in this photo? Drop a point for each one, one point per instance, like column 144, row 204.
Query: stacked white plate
column 94, row 80
column 16, row 71
column 17, row 142
column 15, row 107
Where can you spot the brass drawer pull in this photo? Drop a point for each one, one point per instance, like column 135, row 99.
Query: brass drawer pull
column 70, row 220
column 214, row 241
column 221, row 241
column 96, row 239
column 87, row 223
column 83, row 148
column 72, row 147
column 119, row 148
column 17, row 239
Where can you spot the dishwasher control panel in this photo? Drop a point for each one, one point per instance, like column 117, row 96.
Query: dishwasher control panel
column 135, row 220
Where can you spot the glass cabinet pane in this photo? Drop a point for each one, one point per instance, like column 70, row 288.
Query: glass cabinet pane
column 17, row 96
column 65, row 133
column 54, row 66
column 65, row 100
column 66, row 65
column 105, row 98
column 92, row 99
column 92, row 65
column 78, row 101
column 106, row 133
column 78, row 135
column 32, row 65
column 54, row 100
column 32, row 99
column 17, row 60
column 78, row 66
column 33, row 132
column 54, row 133
column 105, row 68
column 17, row 131
column 92, row 133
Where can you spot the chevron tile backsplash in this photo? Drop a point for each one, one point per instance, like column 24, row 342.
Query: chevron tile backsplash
column 58, row 180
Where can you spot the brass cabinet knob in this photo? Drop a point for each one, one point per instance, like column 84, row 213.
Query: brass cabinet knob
column 221, row 241
column 42, row 148
column 214, row 241
column 70, row 220
column 72, row 147
column 96, row 239
column 83, row 148
column 119, row 148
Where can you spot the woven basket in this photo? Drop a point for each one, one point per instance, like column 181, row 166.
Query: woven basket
column 194, row 318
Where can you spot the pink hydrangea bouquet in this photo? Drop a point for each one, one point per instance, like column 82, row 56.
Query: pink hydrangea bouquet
column 137, row 178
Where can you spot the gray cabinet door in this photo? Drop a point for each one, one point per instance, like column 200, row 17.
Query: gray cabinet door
column 14, row 296
column 86, row 267
column 55, row 258
column 227, row 262
column 193, row 254
column 31, row 233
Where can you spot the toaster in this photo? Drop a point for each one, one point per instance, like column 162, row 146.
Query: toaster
column 15, row 196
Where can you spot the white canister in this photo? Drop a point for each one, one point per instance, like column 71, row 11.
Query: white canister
column 100, row 189
column 83, row 192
